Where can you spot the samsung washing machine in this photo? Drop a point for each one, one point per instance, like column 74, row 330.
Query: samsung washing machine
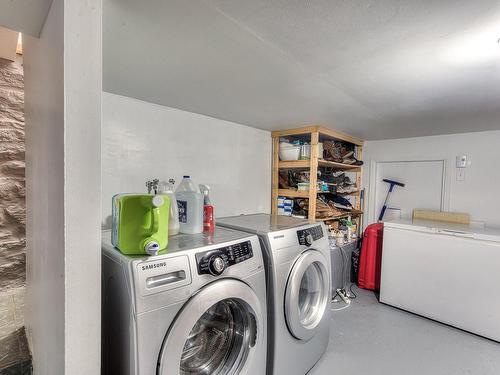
column 298, row 271
column 198, row 309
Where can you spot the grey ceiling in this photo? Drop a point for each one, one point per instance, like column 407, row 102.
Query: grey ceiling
column 26, row 16
column 376, row 69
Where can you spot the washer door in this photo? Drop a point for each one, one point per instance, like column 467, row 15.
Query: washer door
column 215, row 333
column 306, row 296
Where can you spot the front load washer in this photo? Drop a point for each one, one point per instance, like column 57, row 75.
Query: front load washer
column 297, row 259
column 198, row 309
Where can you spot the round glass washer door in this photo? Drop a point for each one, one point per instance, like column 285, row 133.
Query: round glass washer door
column 307, row 293
column 215, row 333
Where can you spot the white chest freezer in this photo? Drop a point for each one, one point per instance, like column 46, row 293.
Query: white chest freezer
column 446, row 272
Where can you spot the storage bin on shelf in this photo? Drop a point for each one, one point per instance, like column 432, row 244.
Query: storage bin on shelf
column 289, row 151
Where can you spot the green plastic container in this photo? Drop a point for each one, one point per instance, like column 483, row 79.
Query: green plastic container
column 140, row 223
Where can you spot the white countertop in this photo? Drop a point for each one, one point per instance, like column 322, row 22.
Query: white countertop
column 440, row 227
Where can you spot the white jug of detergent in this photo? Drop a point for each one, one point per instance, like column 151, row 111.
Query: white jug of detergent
column 190, row 205
column 167, row 188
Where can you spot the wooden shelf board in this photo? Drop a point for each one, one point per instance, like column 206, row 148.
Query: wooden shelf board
column 343, row 216
column 293, row 193
column 294, row 164
column 305, row 164
column 332, row 164
column 353, row 193
column 296, row 131
column 339, row 136
column 305, row 193
column 323, row 131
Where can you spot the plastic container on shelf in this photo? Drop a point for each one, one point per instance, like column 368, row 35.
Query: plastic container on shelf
column 303, row 186
column 305, row 152
column 190, row 206
column 167, row 188
column 289, row 151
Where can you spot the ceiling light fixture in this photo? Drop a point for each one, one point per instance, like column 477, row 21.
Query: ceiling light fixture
column 473, row 46
column 19, row 48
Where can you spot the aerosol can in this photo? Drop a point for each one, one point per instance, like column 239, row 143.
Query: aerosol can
column 208, row 210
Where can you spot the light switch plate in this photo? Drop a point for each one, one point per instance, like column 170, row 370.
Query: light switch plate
column 460, row 174
column 462, row 161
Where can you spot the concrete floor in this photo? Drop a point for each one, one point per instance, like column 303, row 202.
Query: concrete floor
column 372, row 338
column 14, row 353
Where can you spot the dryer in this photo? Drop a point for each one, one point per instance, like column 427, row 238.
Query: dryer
column 198, row 309
column 298, row 273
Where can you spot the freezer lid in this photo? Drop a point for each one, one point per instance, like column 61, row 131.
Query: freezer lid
column 262, row 223
column 439, row 227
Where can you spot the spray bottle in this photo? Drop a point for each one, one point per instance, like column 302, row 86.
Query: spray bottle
column 167, row 188
column 208, row 210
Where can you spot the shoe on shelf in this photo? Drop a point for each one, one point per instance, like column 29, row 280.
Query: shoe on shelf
column 341, row 202
column 352, row 161
column 347, row 189
column 348, row 154
column 347, row 181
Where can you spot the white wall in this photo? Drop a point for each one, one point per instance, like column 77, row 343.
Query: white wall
column 476, row 195
column 82, row 193
column 62, row 97
column 141, row 141
column 44, row 111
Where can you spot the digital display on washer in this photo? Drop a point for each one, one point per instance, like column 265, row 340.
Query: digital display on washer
column 213, row 262
column 314, row 233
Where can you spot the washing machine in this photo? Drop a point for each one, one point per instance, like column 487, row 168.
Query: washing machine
column 198, row 309
column 297, row 259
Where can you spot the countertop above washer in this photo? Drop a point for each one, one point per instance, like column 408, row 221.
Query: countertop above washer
column 182, row 242
column 263, row 223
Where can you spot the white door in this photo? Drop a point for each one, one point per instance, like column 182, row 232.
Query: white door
column 306, row 296
column 217, row 332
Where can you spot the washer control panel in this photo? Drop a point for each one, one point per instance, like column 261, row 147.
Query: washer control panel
column 214, row 262
column 307, row 236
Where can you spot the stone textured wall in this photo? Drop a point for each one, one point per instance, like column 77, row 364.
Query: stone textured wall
column 12, row 181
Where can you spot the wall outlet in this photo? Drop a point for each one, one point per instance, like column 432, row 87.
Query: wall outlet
column 462, row 161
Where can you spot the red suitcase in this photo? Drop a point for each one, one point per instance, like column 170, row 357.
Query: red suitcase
column 370, row 258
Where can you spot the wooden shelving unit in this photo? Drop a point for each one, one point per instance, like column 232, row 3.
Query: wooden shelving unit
column 314, row 135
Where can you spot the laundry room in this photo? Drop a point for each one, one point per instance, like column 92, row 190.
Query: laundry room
column 266, row 187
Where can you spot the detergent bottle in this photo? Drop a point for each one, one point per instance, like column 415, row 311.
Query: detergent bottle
column 208, row 210
column 167, row 188
column 140, row 223
column 190, row 205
